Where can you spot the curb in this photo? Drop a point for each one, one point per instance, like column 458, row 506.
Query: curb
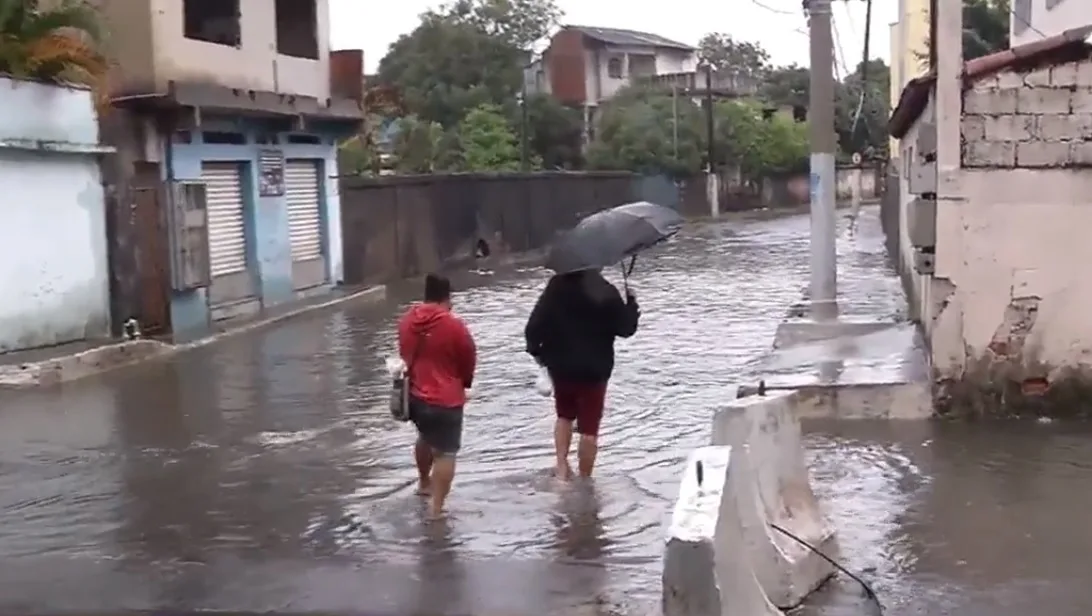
column 113, row 356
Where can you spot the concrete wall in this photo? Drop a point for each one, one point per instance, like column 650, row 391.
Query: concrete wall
column 403, row 226
column 1046, row 18
column 147, row 43
column 1004, row 312
column 53, row 238
column 266, row 219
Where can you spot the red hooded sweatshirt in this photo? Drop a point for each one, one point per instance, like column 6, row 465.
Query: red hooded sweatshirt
column 440, row 353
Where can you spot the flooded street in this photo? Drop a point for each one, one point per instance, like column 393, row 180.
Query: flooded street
column 263, row 473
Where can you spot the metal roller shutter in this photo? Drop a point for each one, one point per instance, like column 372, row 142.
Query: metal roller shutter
column 301, row 181
column 227, row 231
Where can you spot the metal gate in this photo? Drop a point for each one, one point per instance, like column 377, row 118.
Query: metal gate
column 227, row 230
column 302, row 193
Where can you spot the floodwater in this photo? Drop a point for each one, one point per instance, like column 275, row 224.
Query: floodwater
column 263, row 473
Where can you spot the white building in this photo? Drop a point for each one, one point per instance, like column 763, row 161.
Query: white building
column 1032, row 20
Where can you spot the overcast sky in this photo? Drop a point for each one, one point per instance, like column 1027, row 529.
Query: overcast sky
column 778, row 24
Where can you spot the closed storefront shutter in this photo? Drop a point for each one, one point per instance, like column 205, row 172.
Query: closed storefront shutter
column 301, row 180
column 227, row 230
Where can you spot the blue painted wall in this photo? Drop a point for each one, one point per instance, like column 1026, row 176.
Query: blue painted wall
column 266, row 218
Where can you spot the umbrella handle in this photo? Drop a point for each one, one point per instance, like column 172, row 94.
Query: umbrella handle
column 626, row 272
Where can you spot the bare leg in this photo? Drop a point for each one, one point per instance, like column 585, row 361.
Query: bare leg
column 422, row 455
column 563, row 438
column 586, row 450
column 443, row 475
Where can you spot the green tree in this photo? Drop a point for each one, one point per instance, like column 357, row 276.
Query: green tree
column 444, row 68
column 519, row 23
column 787, row 86
column 59, row 43
column 555, row 132
column 488, row 143
column 757, row 142
column 464, row 55
column 417, row 145
column 740, row 58
column 647, row 132
column 985, row 29
column 862, row 109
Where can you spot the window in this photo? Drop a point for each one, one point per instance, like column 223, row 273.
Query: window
column 212, row 21
column 642, row 65
column 1021, row 16
column 296, row 26
column 614, row 68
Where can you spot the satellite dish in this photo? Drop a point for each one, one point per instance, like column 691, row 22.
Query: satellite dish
column 856, row 158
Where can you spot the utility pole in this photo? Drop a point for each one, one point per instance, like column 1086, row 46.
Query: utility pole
column 524, row 146
column 675, row 120
column 824, row 268
column 709, row 113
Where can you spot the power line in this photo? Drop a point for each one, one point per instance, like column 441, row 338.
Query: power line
column 773, row 9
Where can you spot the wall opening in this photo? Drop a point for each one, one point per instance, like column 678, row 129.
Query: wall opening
column 223, row 138
column 212, row 21
column 296, row 28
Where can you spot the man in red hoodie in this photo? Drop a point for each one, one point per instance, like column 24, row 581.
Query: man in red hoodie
column 440, row 355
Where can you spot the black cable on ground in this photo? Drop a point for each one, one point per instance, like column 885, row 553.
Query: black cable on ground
column 869, row 592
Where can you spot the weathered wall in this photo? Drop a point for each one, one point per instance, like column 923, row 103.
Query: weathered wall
column 269, row 258
column 403, row 226
column 1020, row 339
column 773, row 192
column 53, row 241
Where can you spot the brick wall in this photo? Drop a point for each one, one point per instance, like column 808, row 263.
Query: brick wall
column 1039, row 119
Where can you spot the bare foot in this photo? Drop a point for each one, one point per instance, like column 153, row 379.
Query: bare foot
column 424, row 489
column 564, row 472
column 434, row 513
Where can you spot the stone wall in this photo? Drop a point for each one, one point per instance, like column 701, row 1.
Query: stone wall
column 1018, row 339
column 1031, row 120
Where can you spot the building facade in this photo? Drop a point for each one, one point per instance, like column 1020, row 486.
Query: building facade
column 996, row 183
column 1032, row 20
column 53, row 248
column 226, row 116
column 909, row 49
column 585, row 66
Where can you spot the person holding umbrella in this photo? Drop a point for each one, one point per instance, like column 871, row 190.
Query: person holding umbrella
column 575, row 322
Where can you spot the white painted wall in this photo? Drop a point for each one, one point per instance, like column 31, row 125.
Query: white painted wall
column 53, row 264
column 1047, row 18
column 601, row 86
column 255, row 65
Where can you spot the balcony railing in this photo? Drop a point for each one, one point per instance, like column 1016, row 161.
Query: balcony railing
column 693, row 83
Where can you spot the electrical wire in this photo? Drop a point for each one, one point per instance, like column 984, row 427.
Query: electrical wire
column 773, row 9
column 868, row 590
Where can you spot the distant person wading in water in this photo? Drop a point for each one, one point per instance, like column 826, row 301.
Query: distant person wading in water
column 439, row 352
column 571, row 332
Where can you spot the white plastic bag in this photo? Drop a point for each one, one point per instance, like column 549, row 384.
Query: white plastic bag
column 543, row 385
column 395, row 367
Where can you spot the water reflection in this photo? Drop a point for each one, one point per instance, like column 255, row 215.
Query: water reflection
column 264, row 472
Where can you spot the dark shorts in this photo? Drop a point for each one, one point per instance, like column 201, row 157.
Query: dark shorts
column 582, row 403
column 440, row 427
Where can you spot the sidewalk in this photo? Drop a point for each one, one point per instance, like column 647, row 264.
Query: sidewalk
column 69, row 362
column 870, row 363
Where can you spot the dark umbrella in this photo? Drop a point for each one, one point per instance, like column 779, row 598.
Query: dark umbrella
column 608, row 237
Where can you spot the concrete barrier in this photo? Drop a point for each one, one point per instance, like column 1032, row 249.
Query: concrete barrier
column 706, row 573
column 764, row 435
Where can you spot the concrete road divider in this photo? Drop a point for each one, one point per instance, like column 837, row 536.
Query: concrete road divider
column 706, row 570
column 764, row 435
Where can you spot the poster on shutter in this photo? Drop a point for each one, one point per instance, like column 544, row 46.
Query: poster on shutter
column 271, row 173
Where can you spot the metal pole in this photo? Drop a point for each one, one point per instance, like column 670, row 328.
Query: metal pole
column 823, row 287
column 675, row 120
column 709, row 113
column 525, row 154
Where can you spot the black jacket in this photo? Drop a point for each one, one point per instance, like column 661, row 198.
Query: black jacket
column 572, row 328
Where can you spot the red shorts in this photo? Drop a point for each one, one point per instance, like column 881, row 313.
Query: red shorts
column 582, row 403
